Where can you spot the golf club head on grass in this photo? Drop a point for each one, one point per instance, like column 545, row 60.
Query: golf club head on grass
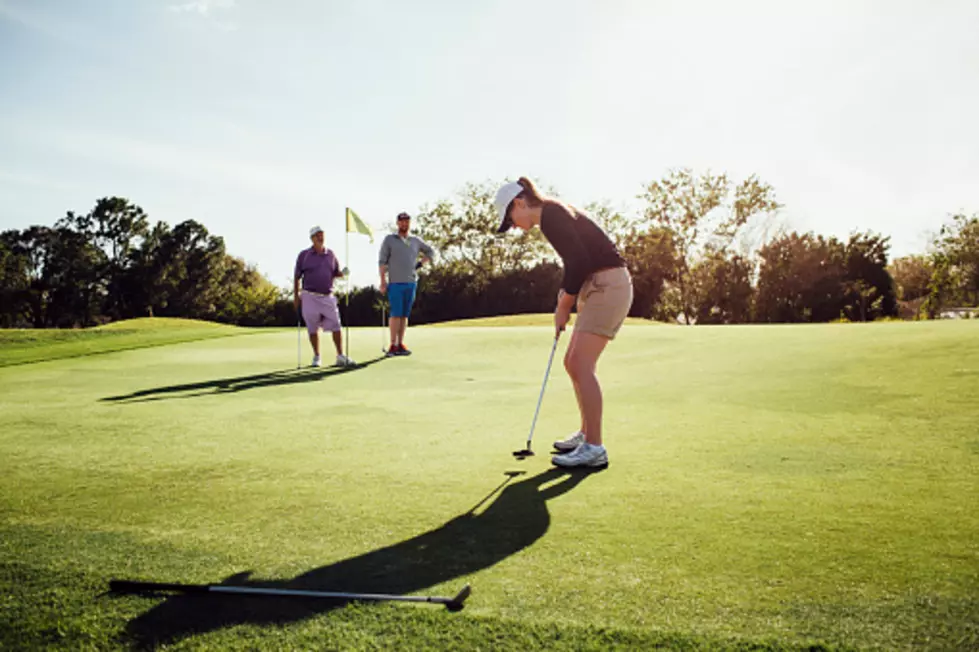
column 456, row 603
column 523, row 454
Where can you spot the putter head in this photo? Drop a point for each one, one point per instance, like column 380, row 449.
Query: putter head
column 523, row 454
column 455, row 604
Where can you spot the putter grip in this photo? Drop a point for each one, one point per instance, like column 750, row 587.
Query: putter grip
column 130, row 586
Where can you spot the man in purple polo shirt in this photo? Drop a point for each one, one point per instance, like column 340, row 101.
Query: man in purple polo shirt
column 316, row 267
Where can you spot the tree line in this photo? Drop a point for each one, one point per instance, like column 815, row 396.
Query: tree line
column 703, row 249
column 110, row 264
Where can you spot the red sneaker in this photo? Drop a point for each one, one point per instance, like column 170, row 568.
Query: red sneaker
column 402, row 350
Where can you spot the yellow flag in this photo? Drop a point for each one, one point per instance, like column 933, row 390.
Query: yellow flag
column 356, row 225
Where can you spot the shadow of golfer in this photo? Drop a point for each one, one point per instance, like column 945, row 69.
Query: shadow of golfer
column 462, row 546
column 238, row 384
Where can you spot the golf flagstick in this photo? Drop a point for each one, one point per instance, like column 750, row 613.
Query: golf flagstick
column 454, row 603
column 346, row 259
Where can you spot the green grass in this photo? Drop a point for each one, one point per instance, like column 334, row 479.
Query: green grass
column 770, row 488
column 21, row 346
column 529, row 319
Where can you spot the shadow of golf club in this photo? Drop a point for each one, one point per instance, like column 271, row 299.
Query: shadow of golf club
column 239, row 384
column 468, row 543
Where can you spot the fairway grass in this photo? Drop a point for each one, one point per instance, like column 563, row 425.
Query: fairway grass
column 21, row 346
column 770, row 487
column 529, row 319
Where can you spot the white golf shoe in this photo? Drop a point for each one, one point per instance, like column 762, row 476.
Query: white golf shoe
column 571, row 443
column 316, row 361
column 585, row 456
column 344, row 361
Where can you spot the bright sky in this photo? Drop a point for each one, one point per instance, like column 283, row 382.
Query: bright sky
column 261, row 118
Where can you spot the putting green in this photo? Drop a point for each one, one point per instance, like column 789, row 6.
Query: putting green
column 768, row 486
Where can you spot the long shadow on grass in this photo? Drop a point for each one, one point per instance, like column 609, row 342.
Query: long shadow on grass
column 238, row 384
column 468, row 543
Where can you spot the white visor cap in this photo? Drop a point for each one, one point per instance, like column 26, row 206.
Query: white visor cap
column 504, row 196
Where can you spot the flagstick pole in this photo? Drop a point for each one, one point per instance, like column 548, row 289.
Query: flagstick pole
column 346, row 262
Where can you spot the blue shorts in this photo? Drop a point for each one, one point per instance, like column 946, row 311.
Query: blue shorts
column 402, row 297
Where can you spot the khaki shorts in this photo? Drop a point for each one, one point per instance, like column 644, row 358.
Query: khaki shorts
column 604, row 302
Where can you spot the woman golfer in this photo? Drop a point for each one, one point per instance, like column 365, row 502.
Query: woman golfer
column 597, row 278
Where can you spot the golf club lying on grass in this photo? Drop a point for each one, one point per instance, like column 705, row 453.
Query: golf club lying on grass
column 128, row 586
column 526, row 452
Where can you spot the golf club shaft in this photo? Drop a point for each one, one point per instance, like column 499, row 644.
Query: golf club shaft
column 541, row 398
column 132, row 586
column 299, row 340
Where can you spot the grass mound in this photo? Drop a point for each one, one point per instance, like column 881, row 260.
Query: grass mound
column 22, row 346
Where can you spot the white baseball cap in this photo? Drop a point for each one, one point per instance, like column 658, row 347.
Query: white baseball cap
column 313, row 231
column 506, row 194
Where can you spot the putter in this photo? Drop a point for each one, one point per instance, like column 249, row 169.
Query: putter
column 129, row 586
column 526, row 452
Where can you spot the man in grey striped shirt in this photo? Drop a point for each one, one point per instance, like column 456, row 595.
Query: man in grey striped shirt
column 398, row 262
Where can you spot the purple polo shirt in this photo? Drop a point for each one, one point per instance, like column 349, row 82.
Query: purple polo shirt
column 317, row 270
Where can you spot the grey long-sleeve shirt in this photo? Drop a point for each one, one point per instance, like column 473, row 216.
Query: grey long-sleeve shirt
column 400, row 256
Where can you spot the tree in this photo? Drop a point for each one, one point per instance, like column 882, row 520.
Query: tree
column 249, row 298
column 701, row 211
column 942, row 286
column 190, row 261
column 868, row 287
column 809, row 278
column 465, row 231
column 108, row 264
column 31, row 249
column 613, row 222
column 911, row 275
column 73, row 275
column 176, row 272
column 722, row 289
column 860, row 296
column 957, row 247
column 51, row 277
column 37, row 245
column 449, row 291
column 651, row 258
column 141, row 282
column 14, row 281
column 800, row 279
column 115, row 226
